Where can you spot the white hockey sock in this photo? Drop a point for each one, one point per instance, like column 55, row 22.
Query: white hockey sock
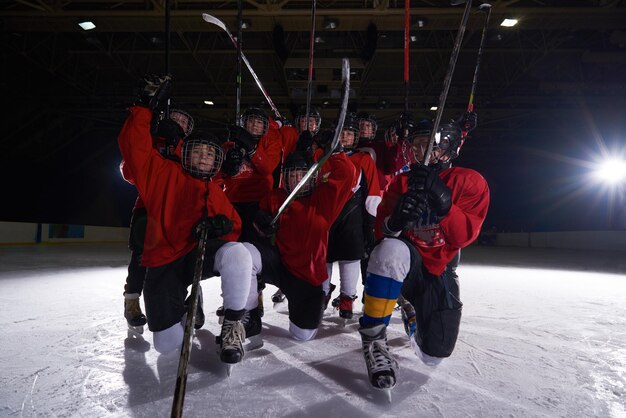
column 349, row 276
column 257, row 264
column 169, row 339
column 234, row 264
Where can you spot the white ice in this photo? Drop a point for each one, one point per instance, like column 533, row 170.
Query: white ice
column 543, row 335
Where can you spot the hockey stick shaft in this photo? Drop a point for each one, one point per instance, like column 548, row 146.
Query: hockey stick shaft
column 238, row 81
column 212, row 19
column 446, row 82
column 167, row 50
column 470, row 105
column 345, row 76
column 407, row 20
column 185, row 351
column 309, row 89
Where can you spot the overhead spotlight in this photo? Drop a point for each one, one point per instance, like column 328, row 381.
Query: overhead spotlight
column 413, row 38
column 209, row 102
column 419, row 22
column 246, row 24
column 433, row 108
column 87, row 25
column 330, row 23
column 319, row 40
column 509, row 23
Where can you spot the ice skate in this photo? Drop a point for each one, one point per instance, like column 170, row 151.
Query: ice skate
column 133, row 314
column 230, row 342
column 278, row 297
column 328, row 296
column 253, row 325
column 344, row 304
column 381, row 366
column 220, row 315
column 408, row 318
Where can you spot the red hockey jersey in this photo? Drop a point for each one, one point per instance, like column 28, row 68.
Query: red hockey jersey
column 438, row 241
column 174, row 200
column 302, row 236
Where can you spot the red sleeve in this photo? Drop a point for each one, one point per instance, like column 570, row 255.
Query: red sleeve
column 268, row 152
column 336, row 180
column 373, row 195
column 395, row 189
column 470, row 201
column 289, row 136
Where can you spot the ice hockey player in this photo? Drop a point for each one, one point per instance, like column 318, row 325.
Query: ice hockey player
column 300, row 136
column 296, row 263
column 426, row 216
column 169, row 133
column 353, row 230
column 182, row 202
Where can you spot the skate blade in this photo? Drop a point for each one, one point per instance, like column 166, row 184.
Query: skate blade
column 343, row 322
column 253, row 343
column 220, row 320
column 229, row 369
column 138, row 329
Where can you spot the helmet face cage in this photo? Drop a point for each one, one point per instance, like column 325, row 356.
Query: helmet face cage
column 255, row 121
column 314, row 115
column 367, row 126
column 449, row 141
column 183, row 119
column 201, row 158
column 350, row 125
column 293, row 175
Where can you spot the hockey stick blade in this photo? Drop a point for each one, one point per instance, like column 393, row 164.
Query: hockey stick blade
column 215, row 21
column 345, row 94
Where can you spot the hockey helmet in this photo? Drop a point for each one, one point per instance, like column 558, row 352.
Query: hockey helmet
column 255, row 121
column 367, row 126
column 315, row 120
column 201, row 156
column 295, row 167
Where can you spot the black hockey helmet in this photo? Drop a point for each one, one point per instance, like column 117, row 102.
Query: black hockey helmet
column 350, row 128
column 202, row 156
column 367, row 126
column 295, row 167
column 183, row 119
column 254, row 114
column 301, row 116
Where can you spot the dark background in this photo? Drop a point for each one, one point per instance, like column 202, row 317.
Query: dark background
column 551, row 96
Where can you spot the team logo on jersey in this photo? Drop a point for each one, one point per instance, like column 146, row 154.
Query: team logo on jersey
column 427, row 231
column 246, row 170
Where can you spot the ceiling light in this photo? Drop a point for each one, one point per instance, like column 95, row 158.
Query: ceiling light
column 87, row 25
column 330, row 23
column 209, row 102
column 508, row 23
column 433, row 108
column 246, row 24
column 319, row 40
column 419, row 22
column 413, row 38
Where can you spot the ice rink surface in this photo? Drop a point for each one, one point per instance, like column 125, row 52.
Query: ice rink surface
column 543, row 335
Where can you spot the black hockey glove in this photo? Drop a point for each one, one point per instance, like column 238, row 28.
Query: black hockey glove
column 154, row 90
column 242, row 138
column 171, row 132
column 427, row 180
column 468, row 121
column 263, row 224
column 233, row 161
column 216, row 226
column 305, row 140
column 408, row 210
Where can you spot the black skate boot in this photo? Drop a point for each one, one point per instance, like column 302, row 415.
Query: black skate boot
column 133, row 314
column 408, row 317
column 231, row 339
column 199, row 322
column 253, row 325
column 328, row 296
column 381, row 366
column 278, row 297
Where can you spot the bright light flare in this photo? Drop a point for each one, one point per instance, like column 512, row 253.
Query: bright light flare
column 611, row 171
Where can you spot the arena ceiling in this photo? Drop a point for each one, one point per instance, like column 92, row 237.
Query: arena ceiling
column 66, row 89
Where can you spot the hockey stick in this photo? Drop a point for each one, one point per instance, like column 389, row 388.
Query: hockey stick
column 407, row 20
column 185, row 351
column 167, row 51
column 345, row 78
column 311, row 50
column 212, row 19
column 482, row 7
column 238, row 82
column 446, row 83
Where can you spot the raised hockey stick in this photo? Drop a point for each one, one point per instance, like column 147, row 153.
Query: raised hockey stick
column 446, row 82
column 167, row 50
column 239, row 78
column 185, row 351
column 407, row 20
column 345, row 78
column 310, row 77
column 212, row 19
column 483, row 7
